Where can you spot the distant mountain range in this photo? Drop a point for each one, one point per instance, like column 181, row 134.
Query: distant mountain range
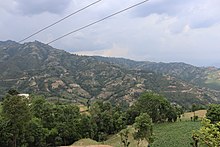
column 35, row 67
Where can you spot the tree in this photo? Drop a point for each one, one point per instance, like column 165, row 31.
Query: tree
column 16, row 112
column 171, row 115
column 105, row 120
column 213, row 112
column 193, row 109
column 63, row 123
column 131, row 114
column 67, row 121
column 87, row 132
column 38, row 105
column 156, row 106
column 208, row 134
column 36, row 134
column 179, row 111
column 143, row 128
column 119, row 121
column 5, row 135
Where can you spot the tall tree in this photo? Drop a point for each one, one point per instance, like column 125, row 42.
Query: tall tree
column 16, row 112
column 86, row 132
column 36, row 134
column 143, row 128
column 155, row 105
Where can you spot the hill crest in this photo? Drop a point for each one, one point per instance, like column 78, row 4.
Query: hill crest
column 39, row 68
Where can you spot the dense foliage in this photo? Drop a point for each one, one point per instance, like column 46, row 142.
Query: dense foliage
column 15, row 116
column 207, row 135
column 35, row 122
column 213, row 112
column 159, row 109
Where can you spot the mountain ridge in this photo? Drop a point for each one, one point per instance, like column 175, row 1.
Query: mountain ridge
column 38, row 68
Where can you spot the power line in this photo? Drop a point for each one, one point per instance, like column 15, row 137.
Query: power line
column 93, row 23
column 60, row 20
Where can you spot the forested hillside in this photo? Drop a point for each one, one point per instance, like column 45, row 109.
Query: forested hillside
column 40, row 123
column 38, row 68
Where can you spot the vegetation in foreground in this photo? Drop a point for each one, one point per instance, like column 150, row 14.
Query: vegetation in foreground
column 42, row 123
column 209, row 134
column 35, row 122
column 176, row 134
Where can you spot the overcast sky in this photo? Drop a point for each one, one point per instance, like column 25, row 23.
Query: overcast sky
column 159, row 30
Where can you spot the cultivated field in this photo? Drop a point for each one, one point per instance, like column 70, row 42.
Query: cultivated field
column 176, row 134
column 200, row 113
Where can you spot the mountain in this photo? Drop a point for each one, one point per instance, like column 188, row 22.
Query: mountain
column 201, row 76
column 38, row 68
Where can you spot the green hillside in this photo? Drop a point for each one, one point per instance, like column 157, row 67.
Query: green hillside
column 213, row 80
column 38, row 68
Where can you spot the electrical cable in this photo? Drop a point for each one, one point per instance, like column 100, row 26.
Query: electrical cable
column 93, row 23
column 41, row 30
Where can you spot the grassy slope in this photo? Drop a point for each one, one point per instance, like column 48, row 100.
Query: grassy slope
column 174, row 134
column 166, row 135
column 115, row 140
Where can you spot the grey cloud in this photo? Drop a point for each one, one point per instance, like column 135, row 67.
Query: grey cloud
column 170, row 7
column 31, row 7
column 196, row 13
column 159, row 30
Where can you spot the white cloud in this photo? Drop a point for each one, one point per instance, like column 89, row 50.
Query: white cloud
column 115, row 51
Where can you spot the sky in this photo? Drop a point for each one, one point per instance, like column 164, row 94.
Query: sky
column 158, row 30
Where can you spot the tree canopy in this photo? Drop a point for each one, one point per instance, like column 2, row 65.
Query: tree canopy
column 16, row 116
column 34, row 121
column 213, row 112
column 156, row 106
column 143, row 128
column 208, row 134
